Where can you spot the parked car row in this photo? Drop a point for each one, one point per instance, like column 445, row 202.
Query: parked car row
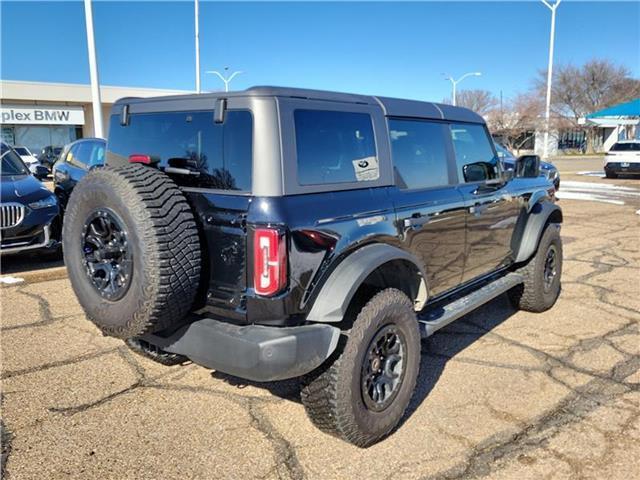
column 30, row 213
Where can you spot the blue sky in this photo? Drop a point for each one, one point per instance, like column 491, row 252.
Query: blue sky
column 395, row 49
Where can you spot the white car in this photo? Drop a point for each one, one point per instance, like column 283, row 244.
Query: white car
column 623, row 158
column 38, row 170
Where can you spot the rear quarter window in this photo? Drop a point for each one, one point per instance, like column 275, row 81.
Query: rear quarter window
column 335, row 147
column 219, row 155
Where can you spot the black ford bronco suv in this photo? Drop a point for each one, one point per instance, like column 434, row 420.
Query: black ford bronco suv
column 275, row 233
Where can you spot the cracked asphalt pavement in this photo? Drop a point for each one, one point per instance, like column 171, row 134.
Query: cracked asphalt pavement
column 501, row 394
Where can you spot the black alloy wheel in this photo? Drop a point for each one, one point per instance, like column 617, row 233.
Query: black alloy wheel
column 383, row 368
column 550, row 267
column 107, row 254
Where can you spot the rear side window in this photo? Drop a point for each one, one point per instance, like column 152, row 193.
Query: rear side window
column 475, row 159
column 335, row 147
column 626, row 147
column 80, row 154
column 220, row 155
column 97, row 155
column 419, row 153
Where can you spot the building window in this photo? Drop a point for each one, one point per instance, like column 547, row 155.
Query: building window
column 572, row 140
column 36, row 137
column 8, row 135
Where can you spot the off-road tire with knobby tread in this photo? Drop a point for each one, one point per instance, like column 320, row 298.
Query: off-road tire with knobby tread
column 165, row 247
column 332, row 394
column 531, row 295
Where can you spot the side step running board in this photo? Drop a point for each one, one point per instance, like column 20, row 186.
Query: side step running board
column 436, row 318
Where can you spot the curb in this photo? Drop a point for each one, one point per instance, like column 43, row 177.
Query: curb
column 38, row 276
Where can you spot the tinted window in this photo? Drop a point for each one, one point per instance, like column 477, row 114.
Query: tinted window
column 474, row 156
column 221, row 154
column 335, row 147
column 97, row 155
column 12, row 164
column 419, row 153
column 80, row 154
column 626, row 147
column 21, row 151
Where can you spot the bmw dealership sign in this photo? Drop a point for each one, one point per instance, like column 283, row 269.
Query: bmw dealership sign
column 41, row 115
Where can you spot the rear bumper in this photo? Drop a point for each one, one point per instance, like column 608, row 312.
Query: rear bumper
column 622, row 167
column 253, row 352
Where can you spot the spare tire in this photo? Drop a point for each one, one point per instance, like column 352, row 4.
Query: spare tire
column 132, row 250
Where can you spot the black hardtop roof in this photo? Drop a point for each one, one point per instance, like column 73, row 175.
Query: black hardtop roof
column 393, row 107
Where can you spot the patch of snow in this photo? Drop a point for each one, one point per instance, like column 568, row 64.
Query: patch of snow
column 568, row 195
column 601, row 188
column 592, row 174
column 9, row 280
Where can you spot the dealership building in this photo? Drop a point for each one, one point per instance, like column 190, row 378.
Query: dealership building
column 36, row 114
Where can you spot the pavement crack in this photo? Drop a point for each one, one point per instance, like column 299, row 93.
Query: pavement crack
column 56, row 364
column 288, row 465
column 489, row 455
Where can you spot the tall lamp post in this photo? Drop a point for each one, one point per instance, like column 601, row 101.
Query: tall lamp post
column 552, row 7
column 226, row 78
column 98, row 129
column 197, row 39
column 454, row 83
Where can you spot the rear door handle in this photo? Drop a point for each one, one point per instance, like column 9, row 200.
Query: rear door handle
column 416, row 220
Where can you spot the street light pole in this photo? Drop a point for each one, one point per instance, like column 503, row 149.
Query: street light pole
column 197, row 20
column 552, row 36
column 98, row 129
column 225, row 78
column 454, row 83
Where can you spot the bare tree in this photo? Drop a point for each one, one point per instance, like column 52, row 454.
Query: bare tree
column 578, row 91
column 516, row 120
column 480, row 101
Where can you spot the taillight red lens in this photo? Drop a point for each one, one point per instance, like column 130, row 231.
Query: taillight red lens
column 137, row 158
column 269, row 261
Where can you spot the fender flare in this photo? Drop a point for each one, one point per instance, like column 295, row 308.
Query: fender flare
column 537, row 218
column 336, row 294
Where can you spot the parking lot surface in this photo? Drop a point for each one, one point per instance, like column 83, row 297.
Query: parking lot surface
column 501, row 394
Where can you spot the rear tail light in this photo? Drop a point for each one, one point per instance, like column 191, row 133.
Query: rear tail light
column 269, row 261
column 138, row 158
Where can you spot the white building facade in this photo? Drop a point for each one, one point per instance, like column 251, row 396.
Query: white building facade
column 37, row 114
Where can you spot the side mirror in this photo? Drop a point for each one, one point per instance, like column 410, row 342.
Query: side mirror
column 475, row 172
column 507, row 174
column 527, row 166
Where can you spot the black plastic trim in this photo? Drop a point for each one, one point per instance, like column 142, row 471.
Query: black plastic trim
column 253, row 352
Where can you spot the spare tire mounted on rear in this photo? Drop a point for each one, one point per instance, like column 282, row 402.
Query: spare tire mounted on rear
column 132, row 250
